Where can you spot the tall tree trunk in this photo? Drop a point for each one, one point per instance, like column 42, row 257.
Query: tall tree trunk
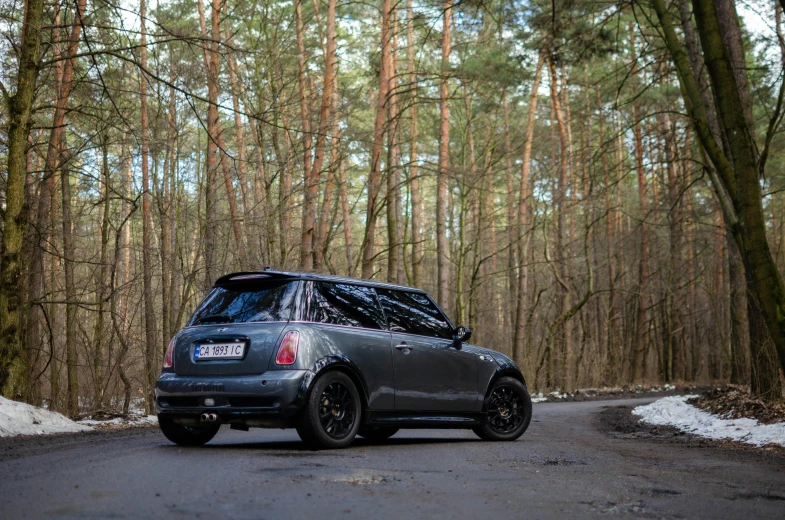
column 442, row 258
column 250, row 225
column 346, row 220
column 213, row 65
column 326, row 219
column 72, row 381
column 393, row 203
column 165, row 211
column 562, row 341
column 312, row 180
column 34, row 350
column 374, row 176
column 19, row 111
column 54, row 365
column 739, row 321
column 101, row 285
column 609, row 372
column 414, row 180
column 309, row 201
column 147, row 226
column 637, row 368
column 124, row 266
column 211, row 59
column 261, row 199
column 241, row 258
column 523, row 237
column 513, row 231
column 671, row 314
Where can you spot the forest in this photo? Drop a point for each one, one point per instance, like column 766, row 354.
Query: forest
column 596, row 188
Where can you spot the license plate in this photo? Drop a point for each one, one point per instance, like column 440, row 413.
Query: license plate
column 219, row 351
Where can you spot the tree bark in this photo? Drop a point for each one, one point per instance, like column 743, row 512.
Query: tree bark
column 72, row 380
column 19, row 111
column 151, row 370
column 101, row 285
column 393, row 202
column 123, row 247
column 562, row 341
column 312, row 181
column 374, row 176
column 639, row 341
column 513, row 231
column 325, row 218
column 414, row 179
column 523, row 215
column 211, row 60
column 309, row 200
column 608, row 375
column 251, row 226
column 442, row 248
column 346, row 220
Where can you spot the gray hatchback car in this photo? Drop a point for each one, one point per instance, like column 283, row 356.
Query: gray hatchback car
column 334, row 358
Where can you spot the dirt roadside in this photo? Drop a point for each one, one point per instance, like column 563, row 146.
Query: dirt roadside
column 621, row 423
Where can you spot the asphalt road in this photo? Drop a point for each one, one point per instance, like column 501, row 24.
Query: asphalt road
column 567, row 465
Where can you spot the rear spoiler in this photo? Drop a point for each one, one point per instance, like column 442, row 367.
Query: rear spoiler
column 253, row 275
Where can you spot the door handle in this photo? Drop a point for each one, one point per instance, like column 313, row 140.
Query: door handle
column 403, row 346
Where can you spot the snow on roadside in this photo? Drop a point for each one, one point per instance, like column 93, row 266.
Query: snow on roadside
column 674, row 411
column 22, row 419
column 121, row 422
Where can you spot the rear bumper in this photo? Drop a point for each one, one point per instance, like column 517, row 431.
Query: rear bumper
column 269, row 398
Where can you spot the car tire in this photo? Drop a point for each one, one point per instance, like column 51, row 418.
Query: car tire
column 377, row 433
column 186, row 435
column 508, row 413
column 332, row 413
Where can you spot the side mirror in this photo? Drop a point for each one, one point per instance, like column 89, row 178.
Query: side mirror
column 461, row 335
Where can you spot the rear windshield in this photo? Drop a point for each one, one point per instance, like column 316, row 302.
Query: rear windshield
column 247, row 302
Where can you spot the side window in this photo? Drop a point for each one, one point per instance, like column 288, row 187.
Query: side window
column 413, row 313
column 342, row 304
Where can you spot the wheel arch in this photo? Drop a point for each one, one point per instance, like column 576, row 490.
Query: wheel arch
column 340, row 364
column 507, row 371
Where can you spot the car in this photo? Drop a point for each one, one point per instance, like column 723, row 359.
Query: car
column 334, row 358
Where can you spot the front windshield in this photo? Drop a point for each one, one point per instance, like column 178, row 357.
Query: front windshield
column 247, row 302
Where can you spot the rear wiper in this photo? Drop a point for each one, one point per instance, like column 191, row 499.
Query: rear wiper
column 216, row 318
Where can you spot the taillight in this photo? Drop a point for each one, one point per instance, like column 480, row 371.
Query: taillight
column 287, row 352
column 168, row 358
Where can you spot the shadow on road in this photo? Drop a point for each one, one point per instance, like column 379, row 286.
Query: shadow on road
column 298, row 446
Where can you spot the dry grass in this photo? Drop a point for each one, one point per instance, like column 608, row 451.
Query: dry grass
column 735, row 402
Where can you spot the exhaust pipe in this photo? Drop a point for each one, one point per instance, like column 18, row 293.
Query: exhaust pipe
column 208, row 417
column 213, row 417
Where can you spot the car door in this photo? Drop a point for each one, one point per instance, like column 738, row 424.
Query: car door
column 430, row 373
column 345, row 320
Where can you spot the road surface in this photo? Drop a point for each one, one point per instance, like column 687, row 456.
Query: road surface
column 571, row 463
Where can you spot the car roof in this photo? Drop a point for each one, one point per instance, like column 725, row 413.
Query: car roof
column 286, row 275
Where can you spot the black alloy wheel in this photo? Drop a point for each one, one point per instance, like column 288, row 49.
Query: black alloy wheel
column 508, row 412
column 331, row 416
column 336, row 410
column 505, row 410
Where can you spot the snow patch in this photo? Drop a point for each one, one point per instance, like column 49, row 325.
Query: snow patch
column 674, row 411
column 539, row 398
column 22, row 419
column 131, row 420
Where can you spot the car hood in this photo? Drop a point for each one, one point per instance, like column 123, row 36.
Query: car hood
column 500, row 358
